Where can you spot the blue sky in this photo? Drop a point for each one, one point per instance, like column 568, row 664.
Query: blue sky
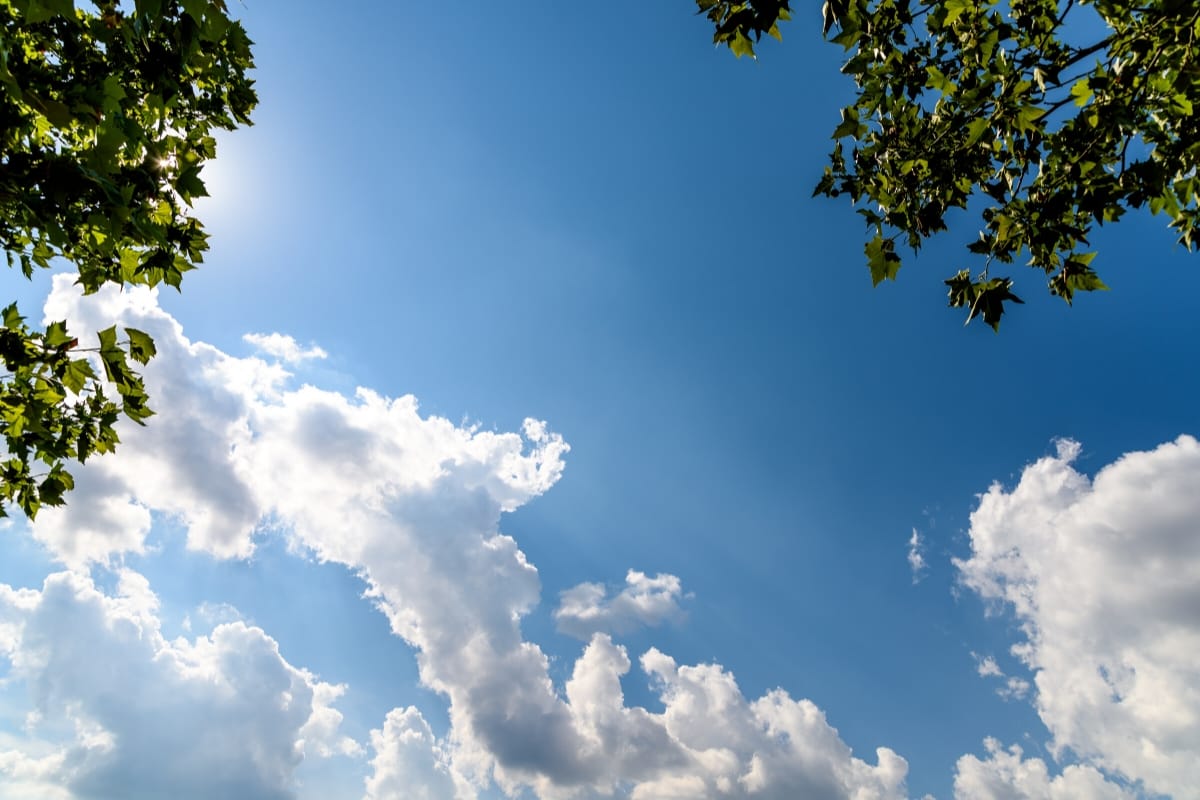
column 590, row 217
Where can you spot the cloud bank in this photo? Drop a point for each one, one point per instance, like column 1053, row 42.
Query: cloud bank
column 1103, row 576
column 119, row 711
column 413, row 504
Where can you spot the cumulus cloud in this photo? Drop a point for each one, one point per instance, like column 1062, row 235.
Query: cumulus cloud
column 413, row 505
column 587, row 609
column 120, row 711
column 283, row 347
column 1103, row 576
column 32, row 777
column 184, row 464
column 409, row 762
column 772, row 747
column 1004, row 773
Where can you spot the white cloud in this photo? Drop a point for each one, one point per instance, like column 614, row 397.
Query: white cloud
column 1104, row 577
column 413, row 504
column 185, row 463
column 987, row 667
column 1005, row 774
column 211, row 615
column 32, row 777
column 320, row 736
column 773, row 747
column 283, row 347
column 409, row 762
column 916, row 556
column 119, row 711
column 587, row 609
column 1013, row 687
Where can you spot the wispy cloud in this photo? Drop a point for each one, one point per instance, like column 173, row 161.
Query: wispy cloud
column 1012, row 688
column 987, row 667
column 916, row 557
column 283, row 347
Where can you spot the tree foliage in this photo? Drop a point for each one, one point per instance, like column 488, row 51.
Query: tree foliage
column 1048, row 117
column 106, row 119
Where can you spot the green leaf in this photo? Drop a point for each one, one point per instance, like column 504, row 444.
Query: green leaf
column 194, row 8
column 56, row 112
column 1082, row 92
column 46, row 392
column 1076, row 276
column 150, row 9
column 62, row 8
column 1027, row 118
column 189, row 185
column 976, row 129
column 741, row 45
column 108, row 339
column 13, row 318
column 962, row 291
column 37, row 11
column 849, row 126
column 990, row 297
column 954, row 9
column 939, row 81
column 1088, row 281
column 54, row 485
column 882, row 259
column 76, row 374
column 141, row 346
column 163, row 213
column 116, row 367
column 56, row 335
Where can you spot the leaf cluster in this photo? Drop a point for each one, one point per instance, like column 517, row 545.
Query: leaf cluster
column 998, row 107
column 53, row 406
column 740, row 24
column 107, row 115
